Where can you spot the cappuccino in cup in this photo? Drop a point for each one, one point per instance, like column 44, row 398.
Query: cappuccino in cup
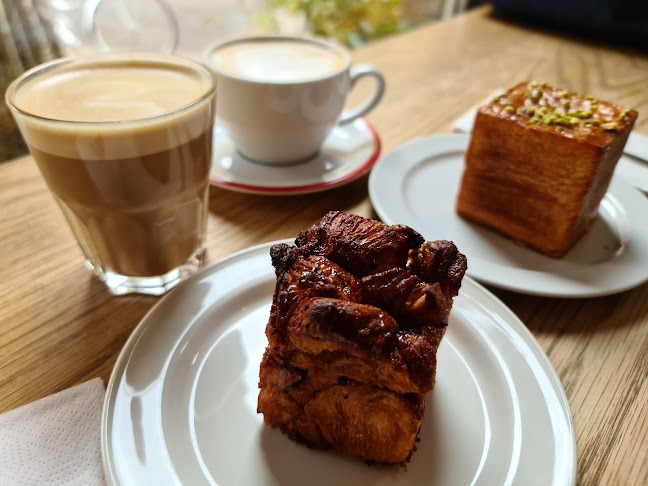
column 278, row 61
column 279, row 97
column 124, row 144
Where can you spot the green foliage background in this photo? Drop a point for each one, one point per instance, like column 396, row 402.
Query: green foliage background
column 351, row 22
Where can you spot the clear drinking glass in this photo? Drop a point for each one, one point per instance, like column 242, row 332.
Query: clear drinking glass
column 124, row 143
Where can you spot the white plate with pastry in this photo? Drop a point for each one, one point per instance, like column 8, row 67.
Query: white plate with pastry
column 417, row 183
column 181, row 405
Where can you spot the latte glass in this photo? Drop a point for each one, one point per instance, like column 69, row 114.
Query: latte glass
column 124, row 144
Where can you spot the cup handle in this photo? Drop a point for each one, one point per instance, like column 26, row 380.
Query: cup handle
column 357, row 73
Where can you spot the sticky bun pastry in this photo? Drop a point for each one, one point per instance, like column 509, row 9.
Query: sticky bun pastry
column 358, row 312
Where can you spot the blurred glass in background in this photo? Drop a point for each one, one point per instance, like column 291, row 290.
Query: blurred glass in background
column 188, row 26
column 35, row 31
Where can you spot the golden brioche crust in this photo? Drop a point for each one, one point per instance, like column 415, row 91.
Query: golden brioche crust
column 540, row 160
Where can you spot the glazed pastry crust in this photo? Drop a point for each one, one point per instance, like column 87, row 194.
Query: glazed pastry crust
column 358, row 313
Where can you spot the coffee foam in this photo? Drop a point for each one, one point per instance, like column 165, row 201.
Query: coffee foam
column 277, row 61
column 115, row 111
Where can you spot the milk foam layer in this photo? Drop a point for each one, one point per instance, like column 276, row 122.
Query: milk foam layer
column 76, row 107
column 277, row 61
column 112, row 93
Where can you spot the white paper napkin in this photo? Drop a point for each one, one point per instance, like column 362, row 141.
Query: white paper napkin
column 55, row 440
column 633, row 171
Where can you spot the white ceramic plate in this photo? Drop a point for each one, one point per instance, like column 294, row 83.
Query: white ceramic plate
column 417, row 183
column 181, row 403
column 634, row 171
column 348, row 152
column 633, row 165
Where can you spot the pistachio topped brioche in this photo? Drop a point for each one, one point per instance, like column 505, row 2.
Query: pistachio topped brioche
column 562, row 111
column 540, row 160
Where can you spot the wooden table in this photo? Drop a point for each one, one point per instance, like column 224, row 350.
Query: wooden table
column 59, row 326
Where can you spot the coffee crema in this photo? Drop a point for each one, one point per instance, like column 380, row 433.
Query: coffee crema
column 286, row 61
column 125, row 148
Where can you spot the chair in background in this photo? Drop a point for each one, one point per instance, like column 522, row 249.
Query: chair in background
column 25, row 41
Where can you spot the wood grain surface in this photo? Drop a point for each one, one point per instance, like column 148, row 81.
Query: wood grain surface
column 59, row 326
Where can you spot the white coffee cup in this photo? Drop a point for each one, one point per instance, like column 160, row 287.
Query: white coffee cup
column 279, row 97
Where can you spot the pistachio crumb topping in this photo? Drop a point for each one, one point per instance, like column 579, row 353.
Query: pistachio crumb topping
column 562, row 109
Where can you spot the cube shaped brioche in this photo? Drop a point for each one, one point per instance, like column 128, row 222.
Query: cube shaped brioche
column 358, row 313
column 540, row 160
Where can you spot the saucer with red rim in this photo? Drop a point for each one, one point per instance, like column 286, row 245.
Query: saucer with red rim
column 348, row 152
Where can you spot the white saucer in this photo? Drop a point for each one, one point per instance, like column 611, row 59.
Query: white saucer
column 417, row 183
column 181, row 403
column 347, row 153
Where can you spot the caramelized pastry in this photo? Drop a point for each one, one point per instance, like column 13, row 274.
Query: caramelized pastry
column 357, row 316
